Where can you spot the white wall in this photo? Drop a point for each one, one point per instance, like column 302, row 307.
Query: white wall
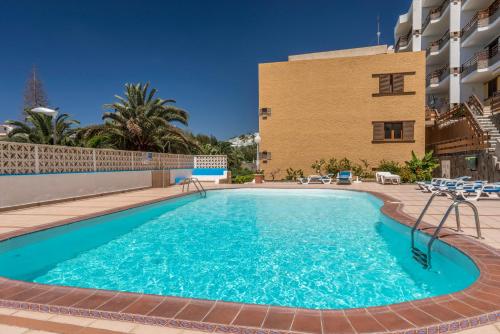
column 174, row 173
column 26, row 189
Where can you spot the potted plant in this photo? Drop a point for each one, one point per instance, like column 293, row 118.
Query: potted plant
column 259, row 176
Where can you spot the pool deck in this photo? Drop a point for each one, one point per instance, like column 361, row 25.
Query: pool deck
column 93, row 311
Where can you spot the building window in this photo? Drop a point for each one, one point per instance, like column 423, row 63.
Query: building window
column 392, row 84
column 393, row 131
column 388, row 132
column 265, row 155
column 265, row 112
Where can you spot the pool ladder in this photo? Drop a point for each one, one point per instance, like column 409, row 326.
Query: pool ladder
column 424, row 258
column 197, row 184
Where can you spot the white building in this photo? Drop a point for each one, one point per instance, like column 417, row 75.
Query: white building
column 460, row 38
column 5, row 129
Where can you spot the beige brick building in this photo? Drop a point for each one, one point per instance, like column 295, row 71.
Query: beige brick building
column 366, row 103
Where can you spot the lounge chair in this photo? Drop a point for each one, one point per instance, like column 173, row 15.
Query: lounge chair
column 378, row 176
column 434, row 185
column 344, row 177
column 319, row 179
column 479, row 190
column 424, row 184
column 429, row 186
column 387, row 178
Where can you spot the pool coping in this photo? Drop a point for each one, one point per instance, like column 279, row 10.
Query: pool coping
column 474, row 306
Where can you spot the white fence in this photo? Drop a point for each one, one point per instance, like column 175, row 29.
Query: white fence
column 210, row 161
column 20, row 158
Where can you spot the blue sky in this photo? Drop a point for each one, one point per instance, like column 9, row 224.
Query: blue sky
column 203, row 53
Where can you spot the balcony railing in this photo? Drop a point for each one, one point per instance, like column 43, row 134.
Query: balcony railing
column 494, row 103
column 480, row 60
column 481, row 19
column 435, row 13
column 438, row 75
column 437, row 45
column 403, row 41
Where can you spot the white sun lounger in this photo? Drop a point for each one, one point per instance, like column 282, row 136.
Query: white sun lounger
column 318, row 179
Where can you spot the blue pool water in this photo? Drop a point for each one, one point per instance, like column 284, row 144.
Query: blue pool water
column 302, row 248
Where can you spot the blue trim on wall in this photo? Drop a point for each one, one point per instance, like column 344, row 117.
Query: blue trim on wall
column 103, row 171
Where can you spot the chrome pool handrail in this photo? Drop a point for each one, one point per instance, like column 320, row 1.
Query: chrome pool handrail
column 425, row 258
column 197, row 184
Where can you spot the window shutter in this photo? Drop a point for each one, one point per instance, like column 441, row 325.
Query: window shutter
column 398, row 81
column 378, row 131
column 408, row 130
column 384, row 82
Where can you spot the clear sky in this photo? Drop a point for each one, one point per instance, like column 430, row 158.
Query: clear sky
column 202, row 53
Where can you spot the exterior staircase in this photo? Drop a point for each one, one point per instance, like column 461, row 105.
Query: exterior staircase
column 483, row 115
column 487, row 125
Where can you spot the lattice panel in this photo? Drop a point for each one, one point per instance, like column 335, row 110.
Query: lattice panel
column 20, row 158
column 210, row 161
column 63, row 159
column 169, row 161
column 17, row 158
column 185, row 161
column 109, row 160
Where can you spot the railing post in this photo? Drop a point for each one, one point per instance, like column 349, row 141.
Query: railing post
column 37, row 161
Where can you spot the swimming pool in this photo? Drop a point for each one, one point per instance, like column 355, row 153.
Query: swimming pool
column 302, row 248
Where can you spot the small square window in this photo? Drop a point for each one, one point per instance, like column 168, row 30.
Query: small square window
column 393, row 131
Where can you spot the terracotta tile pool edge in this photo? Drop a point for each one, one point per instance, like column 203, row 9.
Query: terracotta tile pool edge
column 480, row 296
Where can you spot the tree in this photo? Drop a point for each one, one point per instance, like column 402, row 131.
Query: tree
column 39, row 129
column 34, row 93
column 141, row 121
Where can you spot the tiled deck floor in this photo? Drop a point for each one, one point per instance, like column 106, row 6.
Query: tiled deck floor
column 27, row 219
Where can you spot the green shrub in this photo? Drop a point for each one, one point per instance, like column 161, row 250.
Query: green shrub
column 389, row 166
column 293, row 174
column 332, row 166
column 317, row 166
column 407, row 175
column 243, row 178
column 345, row 164
column 417, row 169
column 422, row 168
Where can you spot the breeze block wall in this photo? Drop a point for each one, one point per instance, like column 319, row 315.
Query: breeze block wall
column 323, row 108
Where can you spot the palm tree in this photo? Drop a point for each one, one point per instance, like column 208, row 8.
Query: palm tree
column 39, row 129
column 141, row 121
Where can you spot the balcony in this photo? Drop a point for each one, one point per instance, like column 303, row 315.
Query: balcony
column 404, row 23
column 404, row 42
column 483, row 26
column 475, row 4
column 482, row 67
column 438, row 80
column 438, row 51
column 437, row 19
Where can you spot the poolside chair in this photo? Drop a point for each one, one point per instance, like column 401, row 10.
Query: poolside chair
column 379, row 175
column 434, row 186
column 310, row 179
column 424, row 184
column 479, row 190
column 391, row 179
column 429, row 186
column 344, row 177
column 318, row 179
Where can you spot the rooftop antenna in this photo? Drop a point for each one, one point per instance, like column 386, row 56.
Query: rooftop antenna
column 378, row 30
